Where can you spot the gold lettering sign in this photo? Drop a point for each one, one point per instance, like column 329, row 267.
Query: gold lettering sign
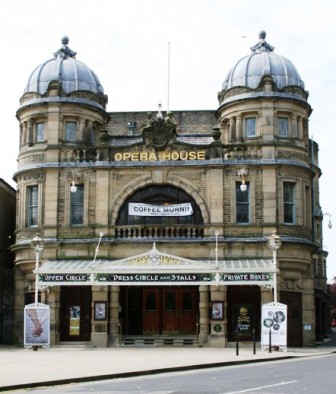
column 160, row 156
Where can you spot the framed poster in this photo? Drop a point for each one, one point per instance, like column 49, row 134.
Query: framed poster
column 274, row 322
column 100, row 310
column 217, row 310
column 75, row 320
column 37, row 325
column 243, row 320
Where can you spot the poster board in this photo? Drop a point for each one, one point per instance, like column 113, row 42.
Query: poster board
column 274, row 322
column 37, row 325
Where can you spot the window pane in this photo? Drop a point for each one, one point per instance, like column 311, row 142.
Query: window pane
column 187, row 303
column 283, row 127
column 289, row 206
column 151, row 301
column 39, row 132
column 70, row 131
column 242, row 204
column 77, row 206
column 32, row 206
column 250, row 127
column 170, row 303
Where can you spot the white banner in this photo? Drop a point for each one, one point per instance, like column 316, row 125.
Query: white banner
column 274, row 318
column 139, row 209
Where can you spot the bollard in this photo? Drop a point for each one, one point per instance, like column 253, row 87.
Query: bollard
column 254, row 342
column 237, row 341
column 270, row 341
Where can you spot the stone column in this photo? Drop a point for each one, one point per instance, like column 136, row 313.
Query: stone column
column 23, row 132
column 231, row 129
column 203, row 337
column 217, row 332
column 239, row 129
column 29, row 133
column 53, row 299
column 99, row 333
column 114, row 334
column 294, row 131
column 81, row 133
column 300, row 128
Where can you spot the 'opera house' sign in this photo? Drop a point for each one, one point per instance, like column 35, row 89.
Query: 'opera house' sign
column 160, row 156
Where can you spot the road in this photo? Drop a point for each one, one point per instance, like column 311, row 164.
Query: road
column 309, row 375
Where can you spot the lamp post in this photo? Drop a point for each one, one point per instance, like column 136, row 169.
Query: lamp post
column 37, row 245
column 274, row 243
column 216, row 249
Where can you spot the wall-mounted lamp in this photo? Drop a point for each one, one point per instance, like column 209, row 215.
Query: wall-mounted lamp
column 329, row 223
column 75, row 177
column 242, row 173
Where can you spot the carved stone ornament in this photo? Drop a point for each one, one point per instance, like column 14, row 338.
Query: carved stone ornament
column 291, row 284
column 160, row 131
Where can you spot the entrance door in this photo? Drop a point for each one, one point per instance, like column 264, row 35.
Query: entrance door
column 244, row 312
column 169, row 311
column 188, row 310
column 294, row 317
column 75, row 313
column 179, row 311
column 151, row 311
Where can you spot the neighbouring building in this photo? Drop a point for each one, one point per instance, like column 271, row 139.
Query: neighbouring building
column 155, row 225
column 7, row 298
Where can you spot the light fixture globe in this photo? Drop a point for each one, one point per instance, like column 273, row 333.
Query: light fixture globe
column 274, row 241
column 37, row 243
column 73, row 187
column 243, row 187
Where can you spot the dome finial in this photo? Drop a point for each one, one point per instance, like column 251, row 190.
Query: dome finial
column 262, row 45
column 65, row 40
column 65, row 52
column 262, row 35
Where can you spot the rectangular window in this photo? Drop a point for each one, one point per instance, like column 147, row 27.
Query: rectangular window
column 32, row 207
column 70, row 131
column 77, row 206
column 289, row 202
column 283, row 127
column 250, row 127
column 39, row 132
column 242, row 204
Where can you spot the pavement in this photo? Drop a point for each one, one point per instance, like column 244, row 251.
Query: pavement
column 24, row 368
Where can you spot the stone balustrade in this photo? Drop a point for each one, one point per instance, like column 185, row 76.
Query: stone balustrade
column 159, row 231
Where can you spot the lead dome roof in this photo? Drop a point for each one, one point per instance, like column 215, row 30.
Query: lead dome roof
column 249, row 71
column 72, row 74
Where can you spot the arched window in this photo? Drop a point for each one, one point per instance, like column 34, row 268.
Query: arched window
column 160, row 195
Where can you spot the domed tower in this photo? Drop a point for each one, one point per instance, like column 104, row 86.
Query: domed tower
column 263, row 113
column 63, row 120
column 48, row 112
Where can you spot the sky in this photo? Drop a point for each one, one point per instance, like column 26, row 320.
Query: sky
column 130, row 43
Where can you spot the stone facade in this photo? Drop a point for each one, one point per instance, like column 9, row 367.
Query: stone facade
column 196, row 157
